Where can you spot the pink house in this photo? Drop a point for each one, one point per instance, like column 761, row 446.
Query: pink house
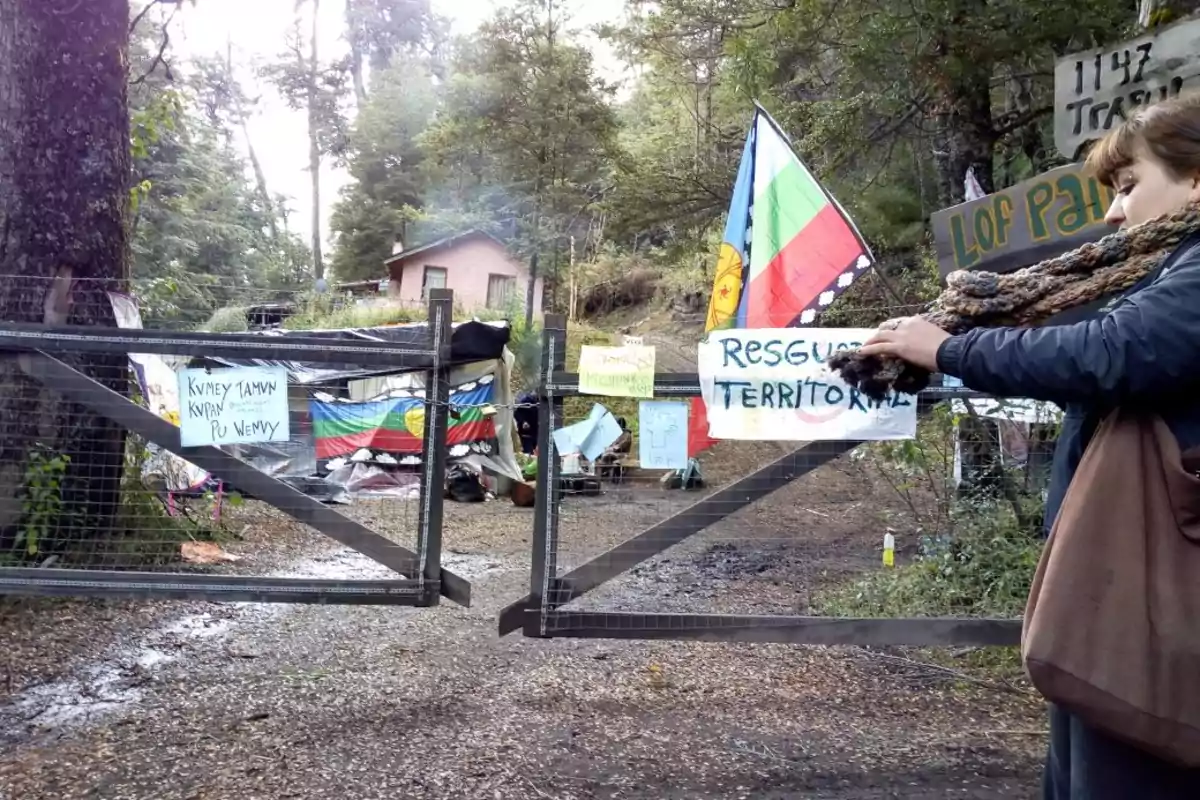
column 473, row 264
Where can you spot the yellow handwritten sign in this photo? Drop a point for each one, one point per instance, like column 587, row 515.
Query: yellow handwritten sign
column 617, row 371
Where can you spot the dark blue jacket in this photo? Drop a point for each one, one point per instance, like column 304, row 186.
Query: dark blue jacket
column 1142, row 351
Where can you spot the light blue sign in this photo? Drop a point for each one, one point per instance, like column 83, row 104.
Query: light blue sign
column 238, row 405
column 662, row 434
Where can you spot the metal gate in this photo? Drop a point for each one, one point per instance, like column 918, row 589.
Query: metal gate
column 552, row 607
column 130, row 540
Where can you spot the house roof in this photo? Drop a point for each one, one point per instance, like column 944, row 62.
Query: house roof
column 448, row 241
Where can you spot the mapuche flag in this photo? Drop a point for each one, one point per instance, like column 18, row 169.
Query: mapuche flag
column 789, row 248
column 395, row 423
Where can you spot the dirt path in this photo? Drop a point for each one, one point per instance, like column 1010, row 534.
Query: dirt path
column 376, row 703
column 205, row 702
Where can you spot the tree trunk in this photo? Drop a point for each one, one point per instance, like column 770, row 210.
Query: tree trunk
column 314, row 146
column 260, row 180
column 354, row 34
column 963, row 138
column 530, row 288
column 260, row 177
column 1029, row 136
column 64, row 196
column 964, row 130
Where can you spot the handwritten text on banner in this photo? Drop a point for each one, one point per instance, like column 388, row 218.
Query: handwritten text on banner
column 617, row 371
column 231, row 406
column 767, row 384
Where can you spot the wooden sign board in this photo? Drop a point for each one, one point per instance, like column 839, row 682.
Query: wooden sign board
column 1037, row 219
column 1094, row 89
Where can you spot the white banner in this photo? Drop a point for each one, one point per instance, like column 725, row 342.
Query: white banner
column 774, row 384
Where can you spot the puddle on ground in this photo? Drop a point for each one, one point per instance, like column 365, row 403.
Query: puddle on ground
column 116, row 684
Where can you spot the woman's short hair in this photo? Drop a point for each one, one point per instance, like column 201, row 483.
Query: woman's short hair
column 1169, row 130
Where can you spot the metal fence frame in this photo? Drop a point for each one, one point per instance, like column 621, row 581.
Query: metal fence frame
column 538, row 615
column 420, row 581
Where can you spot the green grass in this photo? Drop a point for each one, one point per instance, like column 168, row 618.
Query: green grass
column 326, row 313
column 322, row 316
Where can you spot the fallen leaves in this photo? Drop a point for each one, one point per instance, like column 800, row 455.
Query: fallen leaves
column 205, row 553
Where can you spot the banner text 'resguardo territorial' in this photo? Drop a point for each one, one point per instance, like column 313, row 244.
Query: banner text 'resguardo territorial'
column 774, row 384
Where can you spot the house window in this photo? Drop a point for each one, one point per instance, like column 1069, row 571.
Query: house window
column 500, row 291
column 435, row 278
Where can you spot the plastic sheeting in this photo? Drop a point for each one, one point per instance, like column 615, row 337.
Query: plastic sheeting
column 469, row 342
column 478, row 348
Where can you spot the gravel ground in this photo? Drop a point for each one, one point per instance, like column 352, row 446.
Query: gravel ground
column 204, row 702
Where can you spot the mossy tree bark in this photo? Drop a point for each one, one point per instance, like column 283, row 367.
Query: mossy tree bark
column 64, row 195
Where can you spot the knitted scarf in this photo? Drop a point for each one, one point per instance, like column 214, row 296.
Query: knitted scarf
column 1027, row 297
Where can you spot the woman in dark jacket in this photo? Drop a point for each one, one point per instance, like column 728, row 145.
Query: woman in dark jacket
column 1143, row 349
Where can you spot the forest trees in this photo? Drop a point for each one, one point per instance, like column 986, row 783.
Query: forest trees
column 522, row 143
column 385, row 163
column 64, row 155
column 316, row 88
column 378, row 31
column 203, row 235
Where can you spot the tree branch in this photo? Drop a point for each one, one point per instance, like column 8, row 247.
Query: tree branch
column 1019, row 119
column 160, row 56
column 146, row 10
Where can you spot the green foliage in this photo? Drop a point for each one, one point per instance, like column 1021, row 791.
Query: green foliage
column 42, row 503
column 525, row 343
column 977, row 552
column 231, row 319
column 525, row 137
column 921, row 470
column 683, row 128
column 327, row 312
column 146, row 534
column 984, row 569
column 385, row 163
column 528, row 466
column 203, row 235
column 379, row 31
column 319, row 89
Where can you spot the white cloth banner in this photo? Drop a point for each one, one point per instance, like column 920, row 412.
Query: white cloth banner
column 774, row 384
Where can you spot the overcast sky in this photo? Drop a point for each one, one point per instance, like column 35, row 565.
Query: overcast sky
column 257, row 29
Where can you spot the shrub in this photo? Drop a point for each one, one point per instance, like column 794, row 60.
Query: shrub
column 983, row 569
column 978, row 548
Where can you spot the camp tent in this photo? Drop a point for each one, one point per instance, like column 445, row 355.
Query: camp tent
column 356, row 430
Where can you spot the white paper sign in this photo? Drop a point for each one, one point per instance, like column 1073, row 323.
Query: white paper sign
column 237, row 405
column 774, row 384
column 662, row 434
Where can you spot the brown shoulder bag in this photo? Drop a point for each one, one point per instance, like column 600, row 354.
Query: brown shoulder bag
column 1112, row 626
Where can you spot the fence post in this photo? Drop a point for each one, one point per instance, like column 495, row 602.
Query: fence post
column 544, row 572
column 433, row 461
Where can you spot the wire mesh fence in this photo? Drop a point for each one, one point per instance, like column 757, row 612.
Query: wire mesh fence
column 771, row 540
column 279, row 463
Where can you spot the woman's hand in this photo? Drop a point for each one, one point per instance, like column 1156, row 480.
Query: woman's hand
column 913, row 339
